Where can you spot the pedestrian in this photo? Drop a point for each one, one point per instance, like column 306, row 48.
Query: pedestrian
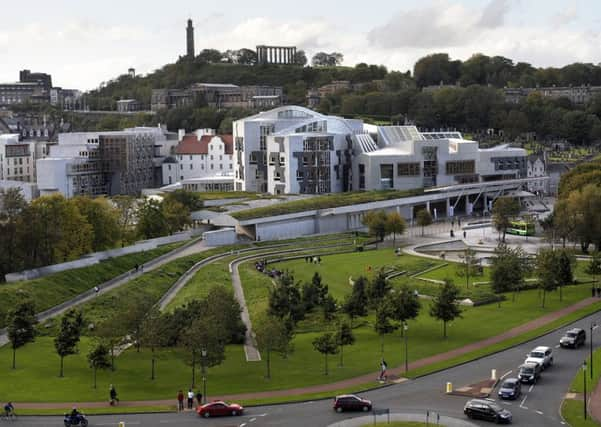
column 464, row 234
column 383, row 367
column 452, row 233
column 598, row 292
column 452, row 222
column 458, row 222
column 199, row 398
column 113, row 395
column 190, row 398
column 180, row 400
column 136, row 267
column 319, row 260
column 96, row 289
column 142, row 268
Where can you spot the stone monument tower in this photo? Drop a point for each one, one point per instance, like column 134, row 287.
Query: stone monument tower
column 190, row 40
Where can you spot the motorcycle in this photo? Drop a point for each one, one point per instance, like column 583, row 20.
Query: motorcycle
column 77, row 420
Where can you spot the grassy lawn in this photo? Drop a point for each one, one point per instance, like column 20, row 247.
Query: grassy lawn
column 101, row 411
column 324, row 202
column 400, row 424
column 572, row 412
column 56, row 288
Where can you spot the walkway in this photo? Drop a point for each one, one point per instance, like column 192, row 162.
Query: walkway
column 351, row 382
column 594, row 403
column 192, row 247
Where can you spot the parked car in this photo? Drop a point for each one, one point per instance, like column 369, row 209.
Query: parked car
column 541, row 355
column 529, row 373
column 487, row 410
column 219, row 408
column 574, row 338
column 350, row 402
column 510, row 389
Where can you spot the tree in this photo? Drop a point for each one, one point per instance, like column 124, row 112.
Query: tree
column 564, row 271
column 300, row 58
column 68, row 336
column 594, row 269
column 376, row 222
column 445, row 306
column 285, row 299
column 355, row 304
column 503, row 211
column 209, row 56
column 326, row 344
column 395, row 224
column 151, row 220
column 152, row 335
column 314, row 292
column 404, row 305
column 133, row 318
column 126, row 205
column 103, row 218
column 272, row 334
column 247, row 57
column 424, row 218
column 189, row 199
column 469, row 265
column 547, row 271
column 383, row 326
column 12, row 204
column 21, row 321
column 329, row 307
column 111, row 333
column 323, row 59
column 378, row 288
column 98, row 358
column 177, row 216
column 344, row 336
column 508, row 269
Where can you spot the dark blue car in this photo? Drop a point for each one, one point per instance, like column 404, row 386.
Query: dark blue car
column 510, row 389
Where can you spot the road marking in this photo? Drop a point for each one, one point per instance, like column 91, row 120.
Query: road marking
column 242, row 425
column 595, row 327
column 252, row 420
column 524, row 407
column 538, row 412
column 557, row 346
column 523, row 400
column 531, row 388
column 506, row 373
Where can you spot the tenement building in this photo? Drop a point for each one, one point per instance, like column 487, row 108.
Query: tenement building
column 296, row 150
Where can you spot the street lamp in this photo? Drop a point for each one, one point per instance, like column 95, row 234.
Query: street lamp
column 593, row 326
column 584, row 378
column 406, row 328
column 203, row 353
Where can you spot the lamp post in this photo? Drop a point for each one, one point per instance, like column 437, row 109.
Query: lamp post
column 406, row 328
column 593, row 326
column 584, row 378
column 203, row 353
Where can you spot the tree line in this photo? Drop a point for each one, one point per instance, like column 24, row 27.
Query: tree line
column 53, row 229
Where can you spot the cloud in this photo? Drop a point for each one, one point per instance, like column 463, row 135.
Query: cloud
column 565, row 16
column 494, row 13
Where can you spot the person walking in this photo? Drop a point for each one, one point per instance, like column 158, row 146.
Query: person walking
column 113, row 395
column 180, row 400
column 383, row 368
column 199, row 398
column 190, row 398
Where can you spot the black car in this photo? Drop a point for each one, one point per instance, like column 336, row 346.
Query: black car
column 574, row 338
column 510, row 389
column 529, row 373
column 350, row 402
column 487, row 410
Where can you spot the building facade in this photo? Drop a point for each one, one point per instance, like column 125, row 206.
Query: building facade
column 18, row 158
column 297, row 150
column 578, row 95
column 201, row 154
column 537, row 168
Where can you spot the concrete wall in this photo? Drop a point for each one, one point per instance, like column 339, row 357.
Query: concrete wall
column 224, row 236
column 96, row 257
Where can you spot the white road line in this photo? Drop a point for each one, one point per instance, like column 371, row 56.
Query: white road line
column 242, row 425
column 595, row 327
column 557, row 346
column 538, row 412
column 524, row 407
column 252, row 420
column 523, row 400
column 531, row 388
column 506, row 373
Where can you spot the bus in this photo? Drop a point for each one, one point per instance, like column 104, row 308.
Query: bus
column 521, row 228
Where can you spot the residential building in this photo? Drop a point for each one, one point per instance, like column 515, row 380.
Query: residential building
column 201, row 154
column 578, row 95
column 296, row 150
column 128, row 106
column 167, row 99
column 66, row 99
column 32, row 87
column 537, row 168
column 18, row 158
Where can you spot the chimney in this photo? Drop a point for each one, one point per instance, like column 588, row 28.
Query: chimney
column 180, row 134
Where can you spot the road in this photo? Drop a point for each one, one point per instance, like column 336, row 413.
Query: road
column 539, row 405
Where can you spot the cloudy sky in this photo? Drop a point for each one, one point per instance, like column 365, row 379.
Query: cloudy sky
column 82, row 43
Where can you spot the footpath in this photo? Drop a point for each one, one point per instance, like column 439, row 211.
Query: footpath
column 351, row 382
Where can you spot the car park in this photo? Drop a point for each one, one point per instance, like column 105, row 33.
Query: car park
column 529, row 373
column 541, row 355
column 487, row 410
column 351, row 402
column 219, row 408
column 511, row 388
column 574, row 338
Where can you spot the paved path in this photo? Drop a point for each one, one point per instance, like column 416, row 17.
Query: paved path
column 351, row 382
column 369, row 419
column 594, row 402
column 192, row 247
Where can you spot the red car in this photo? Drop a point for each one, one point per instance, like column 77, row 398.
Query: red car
column 218, row 409
column 350, row 402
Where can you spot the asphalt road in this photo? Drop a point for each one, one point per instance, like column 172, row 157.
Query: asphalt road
column 538, row 406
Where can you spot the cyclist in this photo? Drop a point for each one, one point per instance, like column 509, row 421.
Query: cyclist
column 9, row 410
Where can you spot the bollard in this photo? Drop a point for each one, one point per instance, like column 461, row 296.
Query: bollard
column 121, row 424
column 449, row 387
column 493, row 374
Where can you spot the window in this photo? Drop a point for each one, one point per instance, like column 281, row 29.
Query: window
column 191, row 166
column 190, row 157
column 169, row 167
column 263, row 132
column 461, row 167
column 408, row 169
column 202, row 167
column 211, row 166
column 231, row 166
column 181, row 178
column 220, row 166
column 181, row 167
column 300, row 175
column 220, row 157
column 253, row 158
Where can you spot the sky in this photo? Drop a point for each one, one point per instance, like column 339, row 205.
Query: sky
column 84, row 43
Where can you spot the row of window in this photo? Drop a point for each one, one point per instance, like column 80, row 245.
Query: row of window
column 16, row 161
column 202, row 157
column 202, row 167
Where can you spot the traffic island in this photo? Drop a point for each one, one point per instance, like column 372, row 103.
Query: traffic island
column 479, row 390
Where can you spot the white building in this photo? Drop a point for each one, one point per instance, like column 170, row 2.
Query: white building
column 199, row 155
column 18, row 158
column 537, row 168
column 295, row 150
